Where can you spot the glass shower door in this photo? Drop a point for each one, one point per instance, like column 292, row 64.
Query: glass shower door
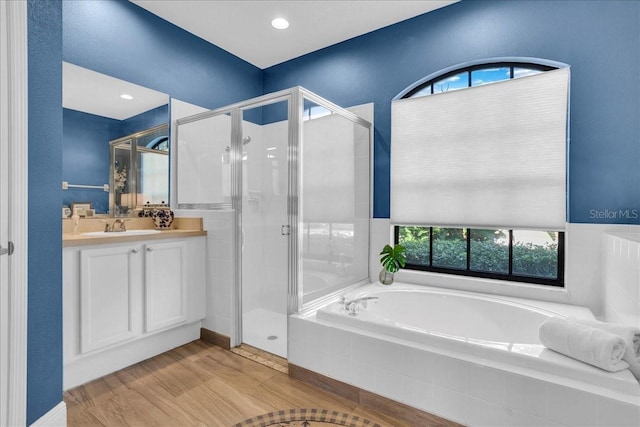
column 264, row 218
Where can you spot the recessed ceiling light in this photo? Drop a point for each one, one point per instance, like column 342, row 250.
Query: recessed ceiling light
column 280, row 24
column 126, row 96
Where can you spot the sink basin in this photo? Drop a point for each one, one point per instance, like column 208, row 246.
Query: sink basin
column 120, row 233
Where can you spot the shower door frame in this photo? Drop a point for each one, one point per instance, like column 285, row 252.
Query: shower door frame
column 296, row 97
column 236, row 199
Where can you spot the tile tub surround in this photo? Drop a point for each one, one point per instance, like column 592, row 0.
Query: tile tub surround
column 585, row 283
column 621, row 278
column 462, row 389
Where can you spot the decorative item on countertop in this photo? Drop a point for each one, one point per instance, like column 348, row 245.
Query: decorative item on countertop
column 145, row 212
column 392, row 259
column 161, row 215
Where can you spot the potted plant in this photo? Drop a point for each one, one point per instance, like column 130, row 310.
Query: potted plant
column 392, row 259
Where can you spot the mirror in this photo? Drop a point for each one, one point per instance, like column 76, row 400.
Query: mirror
column 97, row 118
column 139, row 173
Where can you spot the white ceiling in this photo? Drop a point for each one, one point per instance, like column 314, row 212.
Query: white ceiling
column 243, row 27
column 99, row 94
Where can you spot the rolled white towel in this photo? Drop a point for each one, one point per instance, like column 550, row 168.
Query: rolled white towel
column 631, row 336
column 585, row 343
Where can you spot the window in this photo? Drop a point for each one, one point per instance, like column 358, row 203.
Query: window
column 493, row 159
column 518, row 255
column 476, row 75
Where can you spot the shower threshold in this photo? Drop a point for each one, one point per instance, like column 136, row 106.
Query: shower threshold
column 262, row 357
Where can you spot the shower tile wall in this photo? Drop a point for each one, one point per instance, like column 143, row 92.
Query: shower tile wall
column 264, row 194
column 219, row 292
column 264, row 260
column 220, row 225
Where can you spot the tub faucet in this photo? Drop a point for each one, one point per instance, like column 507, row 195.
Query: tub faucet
column 352, row 306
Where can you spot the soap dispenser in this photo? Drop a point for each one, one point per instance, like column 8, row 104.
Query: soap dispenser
column 76, row 220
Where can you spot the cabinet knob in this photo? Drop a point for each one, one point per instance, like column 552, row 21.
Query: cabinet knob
column 134, row 251
column 149, row 249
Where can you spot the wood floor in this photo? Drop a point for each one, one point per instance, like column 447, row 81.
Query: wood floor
column 198, row 384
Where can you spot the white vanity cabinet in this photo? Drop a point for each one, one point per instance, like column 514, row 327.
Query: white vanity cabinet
column 126, row 302
column 109, row 296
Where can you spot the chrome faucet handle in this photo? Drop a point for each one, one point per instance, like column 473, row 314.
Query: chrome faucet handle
column 352, row 308
column 106, row 225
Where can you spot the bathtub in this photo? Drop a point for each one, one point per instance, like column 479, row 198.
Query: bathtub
column 471, row 334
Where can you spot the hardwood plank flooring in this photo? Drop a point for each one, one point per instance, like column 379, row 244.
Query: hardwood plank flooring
column 199, row 384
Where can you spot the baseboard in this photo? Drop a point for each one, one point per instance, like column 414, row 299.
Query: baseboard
column 215, row 338
column 56, row 417
column 391, row 408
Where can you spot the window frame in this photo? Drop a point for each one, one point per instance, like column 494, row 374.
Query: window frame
column 557, row 282
column 476, row 67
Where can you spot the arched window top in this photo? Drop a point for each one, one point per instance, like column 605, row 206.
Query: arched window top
column 477, row 73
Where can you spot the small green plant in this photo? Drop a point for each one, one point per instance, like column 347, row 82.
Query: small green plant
column 393, row 258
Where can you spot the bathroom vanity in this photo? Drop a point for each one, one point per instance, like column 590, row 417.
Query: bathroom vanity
column 129, row 296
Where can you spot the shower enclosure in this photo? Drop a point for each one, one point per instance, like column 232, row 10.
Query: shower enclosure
column 295, row 170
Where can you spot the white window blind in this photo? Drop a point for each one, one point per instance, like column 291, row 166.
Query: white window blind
column 491, row 156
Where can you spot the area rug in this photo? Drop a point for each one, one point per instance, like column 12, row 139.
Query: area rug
column 307, row 418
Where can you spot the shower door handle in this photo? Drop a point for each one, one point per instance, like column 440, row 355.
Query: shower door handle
column 285, row 230
column 8, row 250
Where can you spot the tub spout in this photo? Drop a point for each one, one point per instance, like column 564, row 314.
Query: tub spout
column 352, row 306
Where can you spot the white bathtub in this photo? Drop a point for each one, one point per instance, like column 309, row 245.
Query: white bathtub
column 502, row 330
column 492, row 337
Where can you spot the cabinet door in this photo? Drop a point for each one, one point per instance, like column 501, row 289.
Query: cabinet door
column 109, row 278
column 164, row 285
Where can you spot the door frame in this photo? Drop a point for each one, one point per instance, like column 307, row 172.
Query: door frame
column 13, row 139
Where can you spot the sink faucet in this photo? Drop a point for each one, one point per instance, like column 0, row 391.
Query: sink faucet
column 120, row 222
column 352, row 306
column 112, row 228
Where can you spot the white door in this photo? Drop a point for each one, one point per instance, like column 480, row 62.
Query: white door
column 13, row 188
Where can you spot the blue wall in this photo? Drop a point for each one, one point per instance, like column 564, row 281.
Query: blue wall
column 44, row 322
column 85, row 156
column 599, row 39
column 152, row 118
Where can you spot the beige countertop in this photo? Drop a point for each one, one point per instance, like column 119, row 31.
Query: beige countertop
column 181, row 227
